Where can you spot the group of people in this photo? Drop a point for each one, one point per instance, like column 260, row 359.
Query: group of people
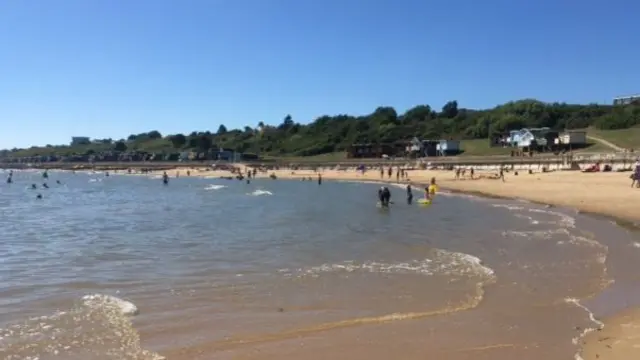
column 384, row 194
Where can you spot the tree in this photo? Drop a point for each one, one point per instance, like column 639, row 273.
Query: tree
column 178, row 140
column 450, row 109
column 203, row 142
column 383, row 125
column 120, row 146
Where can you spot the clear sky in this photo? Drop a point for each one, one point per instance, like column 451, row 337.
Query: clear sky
column 109, row 68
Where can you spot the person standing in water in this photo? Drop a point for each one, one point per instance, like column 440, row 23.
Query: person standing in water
column 165, row 178
column 430, row 191
column 319, row 179
column 409, row 194
column 384, row 195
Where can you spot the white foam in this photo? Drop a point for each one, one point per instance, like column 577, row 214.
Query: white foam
column 443, row 263
column 565, row 220
column 99, row 300
column 95, row 180
column 260, row 193
column 599, row 324
column 508, row 206
column 215, row 187
column 99, row 324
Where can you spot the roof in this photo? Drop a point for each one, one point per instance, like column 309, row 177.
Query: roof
column 627, row 97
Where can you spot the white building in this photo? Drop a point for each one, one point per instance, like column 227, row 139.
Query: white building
column 575, row 137
column 625, row 100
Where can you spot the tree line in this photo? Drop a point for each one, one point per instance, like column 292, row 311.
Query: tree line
column 384, row 125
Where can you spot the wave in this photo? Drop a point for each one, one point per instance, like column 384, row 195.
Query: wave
column 599, row 325
column 260, row 193
column 97, row 327
column 215, row 187
column 443, row 262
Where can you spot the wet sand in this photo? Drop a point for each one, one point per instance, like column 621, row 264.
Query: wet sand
column 608, row 194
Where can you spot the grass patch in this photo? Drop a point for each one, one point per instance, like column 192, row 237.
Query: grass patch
column 626, row 138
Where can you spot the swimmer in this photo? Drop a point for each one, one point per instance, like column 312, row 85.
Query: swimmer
column 165, row 178
column 39, row 196
column 44, row 185
column 409, row 194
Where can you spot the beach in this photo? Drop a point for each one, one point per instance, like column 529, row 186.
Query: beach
column 271, row 268
column 605, row 193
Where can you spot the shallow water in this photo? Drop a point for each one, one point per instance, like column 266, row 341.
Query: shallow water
column 289, row 269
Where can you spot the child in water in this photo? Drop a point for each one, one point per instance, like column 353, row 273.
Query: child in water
column 430, row 191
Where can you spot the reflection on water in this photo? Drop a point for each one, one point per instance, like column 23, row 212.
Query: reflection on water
column 228, row 269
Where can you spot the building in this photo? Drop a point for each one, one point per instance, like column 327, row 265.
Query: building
column 371, row 150
column 626, row 100
column 80, row 140
column 573, row 138
column 448, row 147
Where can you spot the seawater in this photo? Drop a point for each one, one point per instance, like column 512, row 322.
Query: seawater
column 124, row 267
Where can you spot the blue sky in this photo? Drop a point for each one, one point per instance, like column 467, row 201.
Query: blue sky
column 109, row 68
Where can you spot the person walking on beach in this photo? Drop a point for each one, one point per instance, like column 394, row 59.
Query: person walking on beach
column 635, row 177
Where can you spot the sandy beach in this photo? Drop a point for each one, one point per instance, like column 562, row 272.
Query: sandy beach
column 603, row 193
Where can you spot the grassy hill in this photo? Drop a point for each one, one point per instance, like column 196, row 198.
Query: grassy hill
column 328, row 135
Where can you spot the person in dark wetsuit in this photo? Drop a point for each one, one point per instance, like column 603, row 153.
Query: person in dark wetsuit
column 409, row 194
column 165, row 178
column 384, row 195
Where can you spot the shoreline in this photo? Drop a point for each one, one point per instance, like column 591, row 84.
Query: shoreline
column 600, row 195
column 613, row 340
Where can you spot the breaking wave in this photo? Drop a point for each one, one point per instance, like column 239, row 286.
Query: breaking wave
column 450, row 264
column 260, row 193
column 97, row 327
column 215, row 187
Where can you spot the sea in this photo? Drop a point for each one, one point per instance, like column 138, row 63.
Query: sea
column 124, row 267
